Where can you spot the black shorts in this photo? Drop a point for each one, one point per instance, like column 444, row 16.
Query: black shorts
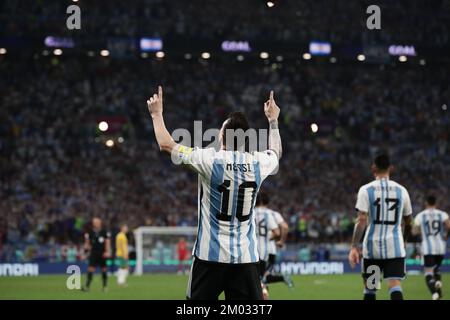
column 209, row 279
column 262, row 267
column 431, row 261
column 393, row 269
column 97, row 260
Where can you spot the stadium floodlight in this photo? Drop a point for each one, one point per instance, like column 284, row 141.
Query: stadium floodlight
column 422, row 62
column 206, row 55
column 240, row 58
column 154, row 242
column 361, row 57
column 104, row 53
column 263, row 55
column 109, row 143
column 333, row 59
column 103, row 126
column 314, row 127
column 402, row 59
column 306, row 56
column 160, row 54
column 57, row 52
column 3, row 51
column 120, row 140
column 187, row 56
column 279, row 58
column 444, row 107
column 270, row 4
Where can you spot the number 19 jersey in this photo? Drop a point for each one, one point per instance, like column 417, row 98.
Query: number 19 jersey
column 432, row 227
column 386, row 202
column 228, row 184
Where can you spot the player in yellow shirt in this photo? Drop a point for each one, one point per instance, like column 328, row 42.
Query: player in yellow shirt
column 122, row 255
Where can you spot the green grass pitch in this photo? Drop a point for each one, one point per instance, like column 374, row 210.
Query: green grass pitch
column 173, row 287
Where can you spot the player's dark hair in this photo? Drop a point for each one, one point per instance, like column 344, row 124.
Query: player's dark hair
column 263, row 198
column 236, row 120
column 382, row 162
column 431, row 200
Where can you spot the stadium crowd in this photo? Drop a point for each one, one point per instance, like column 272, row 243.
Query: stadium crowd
column 341, row 22
column 56, row 171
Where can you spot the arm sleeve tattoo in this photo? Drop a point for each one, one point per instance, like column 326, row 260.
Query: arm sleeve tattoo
column 275, row 138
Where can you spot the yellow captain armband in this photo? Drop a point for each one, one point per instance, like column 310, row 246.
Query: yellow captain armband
column 185, row 150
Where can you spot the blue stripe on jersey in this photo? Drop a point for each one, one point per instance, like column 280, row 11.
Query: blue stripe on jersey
column 238, row 241
column 424, row 221
column 215, row 198
column 372, row 213
column 200, row 227
column 251, row 221
column 380, row 239
column 233, row 211
column 398, row 215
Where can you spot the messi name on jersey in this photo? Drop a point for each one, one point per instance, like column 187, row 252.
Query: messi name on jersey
column 239, row 167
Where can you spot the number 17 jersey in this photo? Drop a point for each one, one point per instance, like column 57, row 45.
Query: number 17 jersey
column 386, row 202
column 228, row 184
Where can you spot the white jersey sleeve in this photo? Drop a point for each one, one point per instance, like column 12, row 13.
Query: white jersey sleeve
column 418, row 220
column 407, row 207
column 362, row 202
column 444, row 216
column 268, row 162
column 200, row 160
column 278, row 217
column 271, row 223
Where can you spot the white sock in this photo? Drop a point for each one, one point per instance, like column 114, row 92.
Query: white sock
column 120, row 276
column 125, row 274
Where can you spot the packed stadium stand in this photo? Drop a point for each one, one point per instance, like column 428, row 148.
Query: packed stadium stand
column 56, row 171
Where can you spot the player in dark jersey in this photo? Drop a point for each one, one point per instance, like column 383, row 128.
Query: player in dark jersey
column 98, row 243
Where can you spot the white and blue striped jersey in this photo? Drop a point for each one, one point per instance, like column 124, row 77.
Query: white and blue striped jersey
column 432, row 228
column 265, row 224
column 386, row 202
column 279, row 220
column 228, row 184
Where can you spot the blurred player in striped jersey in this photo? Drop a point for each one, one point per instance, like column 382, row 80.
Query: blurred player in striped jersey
column 122, row 255
column 272, row 232
column 226, row 255
column 433, row 224
column 267, row 230
column 382, row 205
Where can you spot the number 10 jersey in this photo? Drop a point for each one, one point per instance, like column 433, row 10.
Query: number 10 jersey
column 386, row 202
column 228, row 184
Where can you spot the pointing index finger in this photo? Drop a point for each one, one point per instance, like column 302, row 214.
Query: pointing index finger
column 271, row 95
column 160, row 92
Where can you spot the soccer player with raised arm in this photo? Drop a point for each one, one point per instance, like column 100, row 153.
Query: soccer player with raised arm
column 382, row 206
column 226, row 251
column 434, row 226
